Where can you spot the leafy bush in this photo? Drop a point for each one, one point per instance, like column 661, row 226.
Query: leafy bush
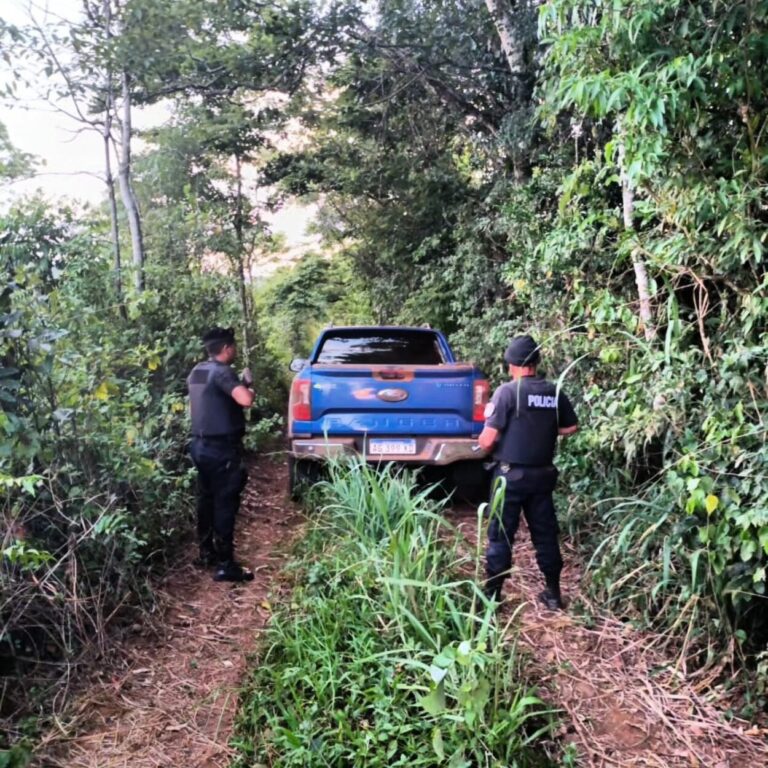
column 94, row 479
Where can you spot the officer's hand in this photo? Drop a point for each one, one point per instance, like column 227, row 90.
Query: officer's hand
column 247, row 377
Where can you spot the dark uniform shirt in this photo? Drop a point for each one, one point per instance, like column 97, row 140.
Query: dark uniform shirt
column 527, row 413
column 214, row 411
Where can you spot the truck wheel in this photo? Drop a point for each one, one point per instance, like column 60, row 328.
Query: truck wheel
column 471, row 480
column 439, row 478
column 302, row 474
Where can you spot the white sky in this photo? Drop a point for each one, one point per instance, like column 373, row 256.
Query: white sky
column 73, row 158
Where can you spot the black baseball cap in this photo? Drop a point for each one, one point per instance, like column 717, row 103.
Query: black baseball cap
column 227, row 335
column 522, row 351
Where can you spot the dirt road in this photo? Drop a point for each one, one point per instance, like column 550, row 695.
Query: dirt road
column 170, row 695
column 625, row 699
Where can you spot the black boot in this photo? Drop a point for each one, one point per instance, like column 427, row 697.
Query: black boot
column 229, row 570
column 551, row 596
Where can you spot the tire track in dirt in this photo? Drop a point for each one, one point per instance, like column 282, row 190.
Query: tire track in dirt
column 169, row 696
column 626, row 701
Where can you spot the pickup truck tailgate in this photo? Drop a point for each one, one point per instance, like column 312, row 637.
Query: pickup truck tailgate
column 392, row 400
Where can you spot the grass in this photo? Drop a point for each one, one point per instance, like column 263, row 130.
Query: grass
column 386, row 654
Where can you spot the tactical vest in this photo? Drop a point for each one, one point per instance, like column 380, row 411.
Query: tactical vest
column 530, row 435
column 214, row 412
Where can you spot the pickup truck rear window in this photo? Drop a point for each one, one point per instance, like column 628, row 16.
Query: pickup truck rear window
column 380, row 348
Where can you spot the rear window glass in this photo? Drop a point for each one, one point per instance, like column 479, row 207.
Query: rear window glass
column 380, row 348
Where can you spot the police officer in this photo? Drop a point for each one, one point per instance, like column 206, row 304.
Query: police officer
column 217, row 398
column 522, row 423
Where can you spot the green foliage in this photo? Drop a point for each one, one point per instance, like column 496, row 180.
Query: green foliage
column 454, row 192
column 95, row 481
column 17, row 757
column 400, row 148
column 387, row 655
column 193, row 48
column 445, row 223
column 667, row 80
column 298, row 301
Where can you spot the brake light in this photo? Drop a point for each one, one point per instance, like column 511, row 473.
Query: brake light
column 301, row 400
column 480, row 392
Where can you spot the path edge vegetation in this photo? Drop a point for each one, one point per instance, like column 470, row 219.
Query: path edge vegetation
column 386, row 652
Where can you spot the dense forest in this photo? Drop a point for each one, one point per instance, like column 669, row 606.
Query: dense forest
column 590, row 171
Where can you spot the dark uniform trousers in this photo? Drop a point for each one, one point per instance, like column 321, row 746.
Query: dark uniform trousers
column 528, row 489
column 221, row 479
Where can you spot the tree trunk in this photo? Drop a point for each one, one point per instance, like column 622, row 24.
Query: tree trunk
column 641, row 280
column 641, row 273
column 110, row 179
column 511, row 43
column 512, row 37
column 126, row 190
column 113, row 222
column 239, row 235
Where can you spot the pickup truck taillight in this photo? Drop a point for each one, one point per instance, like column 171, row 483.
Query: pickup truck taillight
column 301, row 400
column 480, row 391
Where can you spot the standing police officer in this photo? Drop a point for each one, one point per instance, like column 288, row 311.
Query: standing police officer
column 522, row 423
column 217, row 399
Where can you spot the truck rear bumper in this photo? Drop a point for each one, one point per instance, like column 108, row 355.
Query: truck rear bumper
column 436, row 451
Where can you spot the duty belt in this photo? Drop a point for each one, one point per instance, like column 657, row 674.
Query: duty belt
column 233, row 439
column 505, row 467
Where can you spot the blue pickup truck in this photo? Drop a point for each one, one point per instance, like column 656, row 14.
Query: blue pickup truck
column 387, row 393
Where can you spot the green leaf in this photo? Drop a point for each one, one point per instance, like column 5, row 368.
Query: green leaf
column 445, row 658
column 763, row 538
column 695, row 568
column 458, row 760
column 437, row 743
column 748, row 549
column 434, row 702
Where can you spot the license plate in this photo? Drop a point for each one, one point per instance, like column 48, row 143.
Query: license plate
column 391, row 447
